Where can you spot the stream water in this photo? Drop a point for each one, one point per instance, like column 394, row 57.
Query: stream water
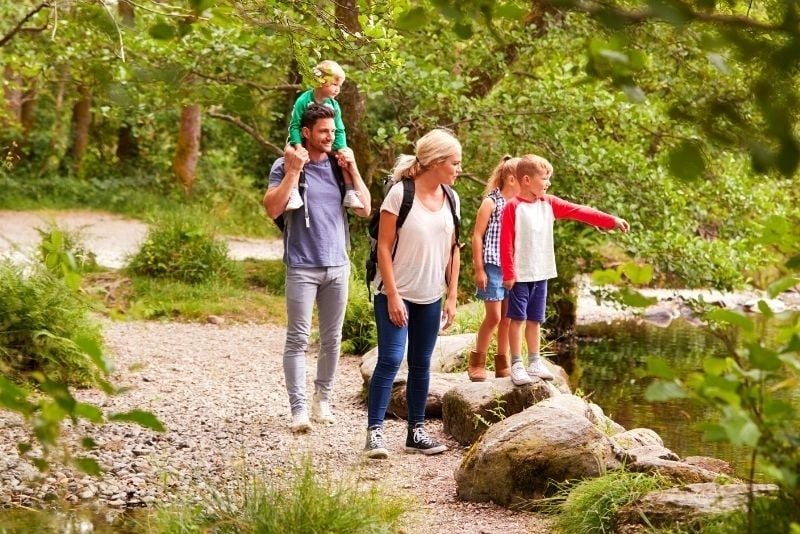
column 606, row 366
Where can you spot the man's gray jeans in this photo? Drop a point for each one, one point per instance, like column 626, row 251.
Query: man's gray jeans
column 328, row 287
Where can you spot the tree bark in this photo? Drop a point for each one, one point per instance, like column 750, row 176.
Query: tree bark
column 81, row 121
column 127, row 144
column 184, row 164
column 351, row 100
column 126, row 13
column 12, row 93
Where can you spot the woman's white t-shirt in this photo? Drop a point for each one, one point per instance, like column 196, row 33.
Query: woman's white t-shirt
column 423, row 247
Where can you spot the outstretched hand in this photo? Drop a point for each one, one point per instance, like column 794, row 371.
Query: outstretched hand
column 621, row 225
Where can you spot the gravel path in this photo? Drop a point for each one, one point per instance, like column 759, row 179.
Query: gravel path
column 220, row 391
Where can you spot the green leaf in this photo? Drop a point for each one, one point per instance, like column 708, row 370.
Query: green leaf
column 631, row 297
column 88, row 443
column 763, row 358
column 713, row 432
column 95, row 352
column 87, row 465
column 779, row 286
column 413, row 19
column 89, row 412
column 140, row 417
column 659, row 368
column 162, row 31
column 730, row 317
column 686, row 161
column 661, row 390
column 606, row 276
column 715, row 366
column 741, row 430
column 638, row 274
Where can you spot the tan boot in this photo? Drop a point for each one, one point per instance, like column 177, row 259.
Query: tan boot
column 477, row 366
column 502, row 366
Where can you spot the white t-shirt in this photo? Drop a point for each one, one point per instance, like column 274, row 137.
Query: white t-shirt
column 423, row 247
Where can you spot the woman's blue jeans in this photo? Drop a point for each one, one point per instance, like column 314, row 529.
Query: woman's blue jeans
column 421, row 331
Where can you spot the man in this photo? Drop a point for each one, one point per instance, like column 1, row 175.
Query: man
column 315, row 243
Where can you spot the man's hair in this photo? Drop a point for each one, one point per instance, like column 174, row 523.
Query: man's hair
column 315, row 112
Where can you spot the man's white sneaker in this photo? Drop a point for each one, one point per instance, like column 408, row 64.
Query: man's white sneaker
column 300, row 423
column 519, row 376
column 351, row 200
column 538, row 368
column 295, row 200
column 321, row 411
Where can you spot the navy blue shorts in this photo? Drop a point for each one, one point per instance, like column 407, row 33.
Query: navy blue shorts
column 526, row 301
column 494, row 285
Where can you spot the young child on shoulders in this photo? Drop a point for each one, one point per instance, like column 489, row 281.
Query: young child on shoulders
column 501, row 187
column 527, row 258
column 330, row 77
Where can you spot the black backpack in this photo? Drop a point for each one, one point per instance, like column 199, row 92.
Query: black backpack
column 280, row 221
column 405, row 206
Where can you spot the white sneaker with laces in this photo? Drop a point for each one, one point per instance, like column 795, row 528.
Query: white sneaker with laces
column 352, row 200
column 300, row 423
column 519, row 376
column 538, row 368
column 321, row 411
column 295, row 200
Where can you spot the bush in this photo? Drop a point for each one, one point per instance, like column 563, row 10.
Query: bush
column 62, row 251
column 359, row 333
column 181, row 248
column 42, row 323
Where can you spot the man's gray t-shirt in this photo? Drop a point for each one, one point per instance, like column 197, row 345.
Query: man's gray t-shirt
column 323, row 243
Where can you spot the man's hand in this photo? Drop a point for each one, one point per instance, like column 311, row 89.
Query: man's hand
column 294, row 159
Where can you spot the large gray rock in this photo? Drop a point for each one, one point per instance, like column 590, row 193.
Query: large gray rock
column 685, row 506
column 518, row 457
column 469, row 408
column 440, row 384
column 448, row 354
column 677, row 471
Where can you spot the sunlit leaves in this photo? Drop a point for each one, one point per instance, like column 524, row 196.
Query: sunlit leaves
column 140, row 417
column 730, row 317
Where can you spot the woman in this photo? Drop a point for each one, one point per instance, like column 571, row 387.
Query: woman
column 416, row 265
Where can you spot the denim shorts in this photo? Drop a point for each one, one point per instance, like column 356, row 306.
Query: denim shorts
column 526, row 301
column 494, row 285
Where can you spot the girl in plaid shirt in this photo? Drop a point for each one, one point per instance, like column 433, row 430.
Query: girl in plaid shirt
column 502, row 186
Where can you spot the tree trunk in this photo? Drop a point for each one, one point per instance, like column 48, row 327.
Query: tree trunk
column 13, row 96
column 126, row 13
column 81, row 120
column 351, row 100
column 184, row 165
column 28, row 112
column 127, row 144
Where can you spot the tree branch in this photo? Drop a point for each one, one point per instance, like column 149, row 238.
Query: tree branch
column 16, row 29
column 251, row 131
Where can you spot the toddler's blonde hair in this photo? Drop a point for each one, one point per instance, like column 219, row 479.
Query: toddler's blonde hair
column 328, row 70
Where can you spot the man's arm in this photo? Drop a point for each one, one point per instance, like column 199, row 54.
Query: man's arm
column 276, row 197
column 347, row 161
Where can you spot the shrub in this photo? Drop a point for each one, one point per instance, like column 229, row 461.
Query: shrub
column 359, row 333
column 62, row 251
column 181, row 248
column 41, row 323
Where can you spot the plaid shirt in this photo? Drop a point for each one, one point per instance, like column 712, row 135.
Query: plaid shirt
column 491, row 238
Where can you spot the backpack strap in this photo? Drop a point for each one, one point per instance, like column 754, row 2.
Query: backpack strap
column 457, row 244
column 402, row 214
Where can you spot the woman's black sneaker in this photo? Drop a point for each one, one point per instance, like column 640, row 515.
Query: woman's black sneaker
column 418, row 441
column 375, row 447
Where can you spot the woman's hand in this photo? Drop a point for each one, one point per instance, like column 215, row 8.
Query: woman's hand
column 398, row 314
